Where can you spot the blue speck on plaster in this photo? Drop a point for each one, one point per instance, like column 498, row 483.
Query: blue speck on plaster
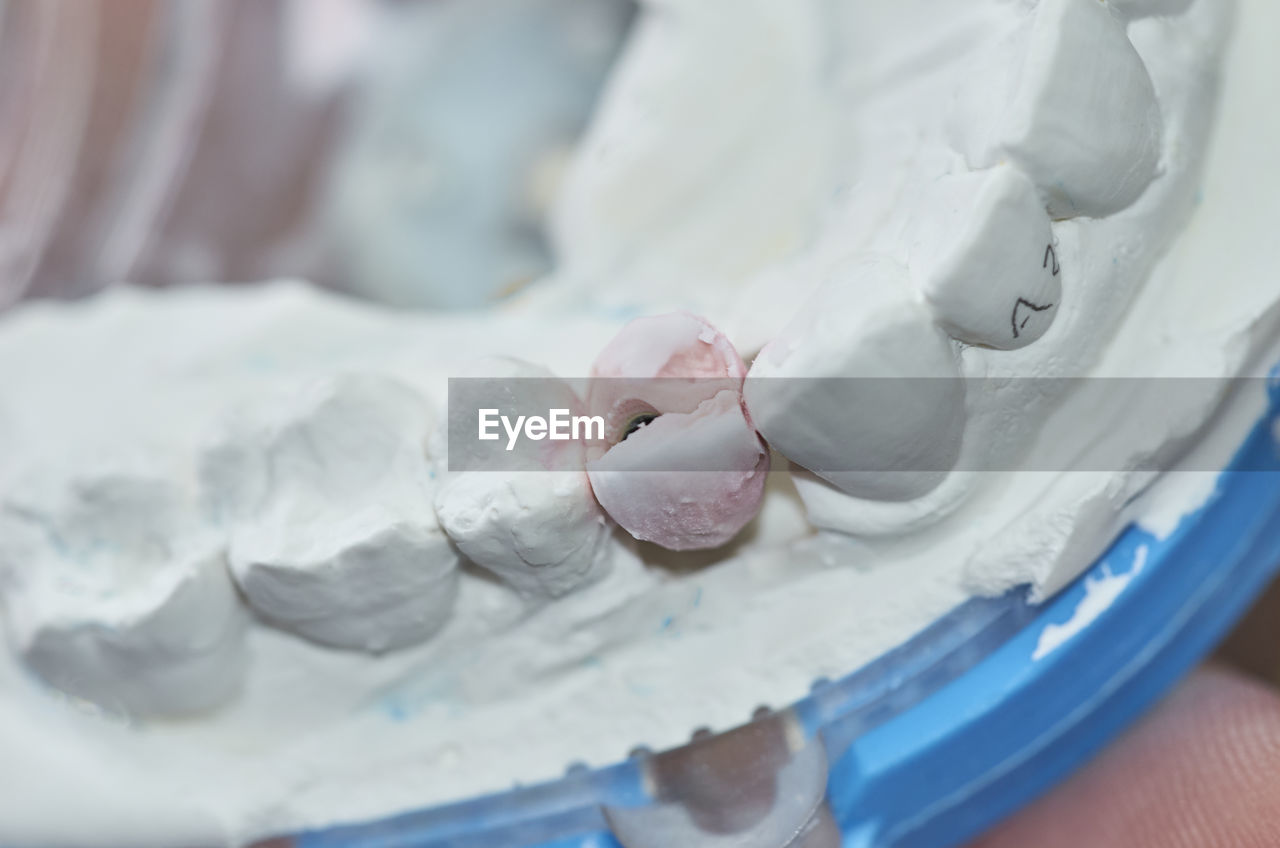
column 697, row 598
column 260, row 362
column 666, row 624
column 395, row 710
column 431, row 475
column 624, row 312
column 412, row 698
column 640, row 690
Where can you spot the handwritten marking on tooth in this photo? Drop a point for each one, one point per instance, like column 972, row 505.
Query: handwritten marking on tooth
column 1018, row 326
column 1050, row 253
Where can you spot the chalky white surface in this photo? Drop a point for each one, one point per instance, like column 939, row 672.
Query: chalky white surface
column 316, row 735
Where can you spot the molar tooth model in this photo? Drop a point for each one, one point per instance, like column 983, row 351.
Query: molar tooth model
column 328, row 506
column 117, row 599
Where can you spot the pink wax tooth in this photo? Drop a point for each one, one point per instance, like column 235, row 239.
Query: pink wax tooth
column 659, row 365
column 677, row 344
column 681, row 465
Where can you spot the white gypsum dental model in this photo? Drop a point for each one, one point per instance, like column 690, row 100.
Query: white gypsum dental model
column 814, row 181
column 529, row 518
column 325, row 509
column 675, row 460
column 327, row 502
column 115, row 594
column 1079, row 127
column 995, row 213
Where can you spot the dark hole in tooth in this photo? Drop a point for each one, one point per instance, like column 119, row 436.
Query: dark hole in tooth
column 636, row 423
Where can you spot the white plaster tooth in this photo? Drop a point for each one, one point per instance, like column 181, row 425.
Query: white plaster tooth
column 113, row 595
column 984, row 258
column 1072, row 105
column 1134, row 9
column 333, row 536
column 541, row 532
column 527, row 515
column 515, row 388
column 863, row 388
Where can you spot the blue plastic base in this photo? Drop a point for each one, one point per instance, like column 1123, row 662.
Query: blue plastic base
column 1014, row 725
column 945, row 736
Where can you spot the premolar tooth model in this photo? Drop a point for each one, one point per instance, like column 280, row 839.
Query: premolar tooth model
column 984, row 258
column 531, row 520
column 1076, row 110
column 862, row 387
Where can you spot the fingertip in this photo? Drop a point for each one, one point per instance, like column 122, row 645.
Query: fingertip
column 1202, row 771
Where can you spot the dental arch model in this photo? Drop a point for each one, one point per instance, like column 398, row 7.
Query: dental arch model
column 1077, row 132
column 984, row 261
column 309, row 546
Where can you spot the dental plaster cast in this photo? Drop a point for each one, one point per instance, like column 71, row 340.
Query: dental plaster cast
column 348, row 461
column 984, row 241
column 122, row 600
column 530, row 518
column 296, row 612
column 1073, row 107
column 862, row 388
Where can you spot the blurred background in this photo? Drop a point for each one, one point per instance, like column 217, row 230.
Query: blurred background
column 400, row 150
